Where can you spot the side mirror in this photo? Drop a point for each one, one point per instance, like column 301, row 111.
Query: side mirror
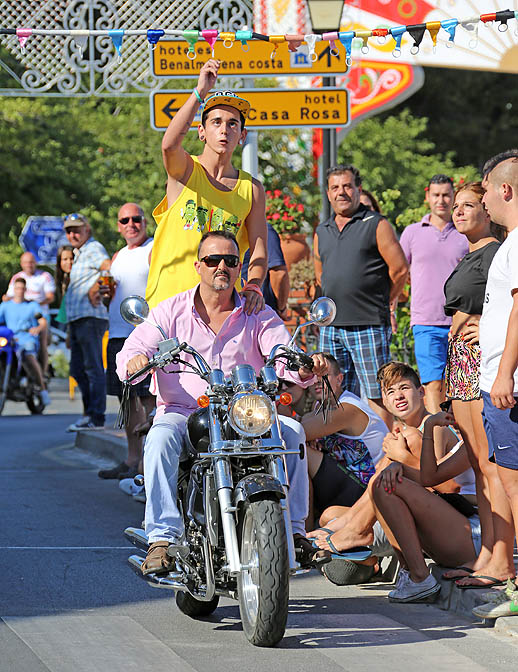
column 322, row 311
column 134, row 310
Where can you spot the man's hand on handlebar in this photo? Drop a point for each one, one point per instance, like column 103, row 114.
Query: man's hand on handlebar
column 320, row 367
column 136, row 363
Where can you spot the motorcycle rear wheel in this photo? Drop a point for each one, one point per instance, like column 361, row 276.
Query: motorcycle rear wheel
column 263, row 588
column 194, row 608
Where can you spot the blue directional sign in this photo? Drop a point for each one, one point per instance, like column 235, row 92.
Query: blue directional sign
column 43, row 236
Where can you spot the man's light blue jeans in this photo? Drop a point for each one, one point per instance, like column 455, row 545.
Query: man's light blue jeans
column 164, row 445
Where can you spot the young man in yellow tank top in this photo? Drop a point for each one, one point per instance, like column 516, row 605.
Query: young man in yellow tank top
column 206, row 193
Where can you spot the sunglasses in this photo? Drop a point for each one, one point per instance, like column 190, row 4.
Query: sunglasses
column 76, row 217
column 213, row 260
column 136, row 218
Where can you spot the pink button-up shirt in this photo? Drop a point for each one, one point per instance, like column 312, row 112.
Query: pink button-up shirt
column 242, row 339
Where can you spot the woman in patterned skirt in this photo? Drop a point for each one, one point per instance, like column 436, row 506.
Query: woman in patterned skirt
column 464, row 292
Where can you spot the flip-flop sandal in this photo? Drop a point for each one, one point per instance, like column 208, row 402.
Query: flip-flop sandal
column 354, row 553
column 306, row 554
column 492, row 582
column 468, row 571
column 348, row 573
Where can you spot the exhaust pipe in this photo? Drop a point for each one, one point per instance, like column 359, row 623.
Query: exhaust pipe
column 170, row 581
column 137, row 537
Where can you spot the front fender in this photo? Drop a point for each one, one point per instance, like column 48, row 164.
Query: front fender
column 253, row 486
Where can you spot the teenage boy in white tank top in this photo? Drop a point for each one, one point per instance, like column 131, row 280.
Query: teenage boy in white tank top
column 129, row 269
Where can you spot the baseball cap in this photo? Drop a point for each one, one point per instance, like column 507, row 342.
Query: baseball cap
column 227, row 98
column 74, row 219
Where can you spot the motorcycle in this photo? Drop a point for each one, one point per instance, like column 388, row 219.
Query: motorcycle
column 16, row 379
column 232, row 488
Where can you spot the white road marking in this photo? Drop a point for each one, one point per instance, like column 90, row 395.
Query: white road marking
column 66, row 548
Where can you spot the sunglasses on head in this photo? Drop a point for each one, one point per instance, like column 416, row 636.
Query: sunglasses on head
column 76, row 217
column 134, row 218
column 213, row 260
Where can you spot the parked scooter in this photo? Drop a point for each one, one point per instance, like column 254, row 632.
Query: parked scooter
column 16, row 379
column 232, row 488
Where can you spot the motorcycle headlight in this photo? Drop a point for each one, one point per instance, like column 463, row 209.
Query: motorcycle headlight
column 251, row 413
column 3, row 342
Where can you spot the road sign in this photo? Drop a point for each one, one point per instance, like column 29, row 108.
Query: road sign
column 42, row 236
column 270, row 108
column 169, row 59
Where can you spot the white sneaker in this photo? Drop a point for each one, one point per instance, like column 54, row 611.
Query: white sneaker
column 502, row 605
column 79, row 423
column 45, row 397
column 402, row 578
column 129, row 487
column 410, row 591
column 494, row 595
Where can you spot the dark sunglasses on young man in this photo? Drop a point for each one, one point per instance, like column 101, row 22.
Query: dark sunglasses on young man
column 213, row 260
column 137, row 219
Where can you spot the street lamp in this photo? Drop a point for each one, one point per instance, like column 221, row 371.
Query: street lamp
column 325, row 16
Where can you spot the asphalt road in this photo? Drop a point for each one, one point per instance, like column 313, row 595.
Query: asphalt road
column 69, row 602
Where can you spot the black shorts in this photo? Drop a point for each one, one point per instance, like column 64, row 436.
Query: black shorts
column 113, row 384
column 333, row 486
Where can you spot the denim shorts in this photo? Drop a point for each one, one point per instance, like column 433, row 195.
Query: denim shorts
column 502, row 433
column 431, row 351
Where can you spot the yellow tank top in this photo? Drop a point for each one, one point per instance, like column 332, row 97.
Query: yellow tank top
column 199, row 208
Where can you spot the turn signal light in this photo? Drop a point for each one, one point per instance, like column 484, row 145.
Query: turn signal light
column 203, row 401
column 3, row 342
column 285, row 398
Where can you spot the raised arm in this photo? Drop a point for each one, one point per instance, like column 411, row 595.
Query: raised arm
column 393, row 255
column 177, row 161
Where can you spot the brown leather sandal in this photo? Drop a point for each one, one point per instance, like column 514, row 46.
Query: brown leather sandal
column 157, row 561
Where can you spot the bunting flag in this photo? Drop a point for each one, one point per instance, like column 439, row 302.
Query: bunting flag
column 416, row 32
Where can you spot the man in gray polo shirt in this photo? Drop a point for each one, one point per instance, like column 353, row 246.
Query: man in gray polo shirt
column 361, row 266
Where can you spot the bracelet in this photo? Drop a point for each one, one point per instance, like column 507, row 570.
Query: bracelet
column 252, row 287
column 197, row 94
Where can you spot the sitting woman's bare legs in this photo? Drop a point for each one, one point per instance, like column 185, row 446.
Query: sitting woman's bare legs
column 414, row 519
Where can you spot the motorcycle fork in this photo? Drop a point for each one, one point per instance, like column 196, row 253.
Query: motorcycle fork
column 224, row 487
column 278, row 471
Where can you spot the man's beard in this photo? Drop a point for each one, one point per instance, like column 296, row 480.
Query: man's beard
column 221, row 282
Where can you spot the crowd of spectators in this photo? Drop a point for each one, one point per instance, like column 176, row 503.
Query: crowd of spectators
column 411, row 464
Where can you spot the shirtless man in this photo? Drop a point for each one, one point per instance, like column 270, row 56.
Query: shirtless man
column 403, row 396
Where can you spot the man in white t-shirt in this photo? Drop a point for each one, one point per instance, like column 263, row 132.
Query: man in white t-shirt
column 40, row 287
column 129, row 269
column 499, row 348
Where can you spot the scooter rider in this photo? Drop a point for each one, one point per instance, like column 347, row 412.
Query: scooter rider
column 211, row 318
column 24, row 318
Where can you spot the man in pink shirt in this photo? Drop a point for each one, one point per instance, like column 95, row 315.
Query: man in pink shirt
column 209, row 317
column 433, row 247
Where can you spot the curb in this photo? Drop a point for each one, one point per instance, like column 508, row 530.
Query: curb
column 108, row 443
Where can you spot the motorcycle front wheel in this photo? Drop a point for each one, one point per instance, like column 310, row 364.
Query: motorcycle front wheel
column 263, row 586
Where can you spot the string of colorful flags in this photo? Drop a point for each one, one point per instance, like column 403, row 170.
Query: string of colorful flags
column 416, row 31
